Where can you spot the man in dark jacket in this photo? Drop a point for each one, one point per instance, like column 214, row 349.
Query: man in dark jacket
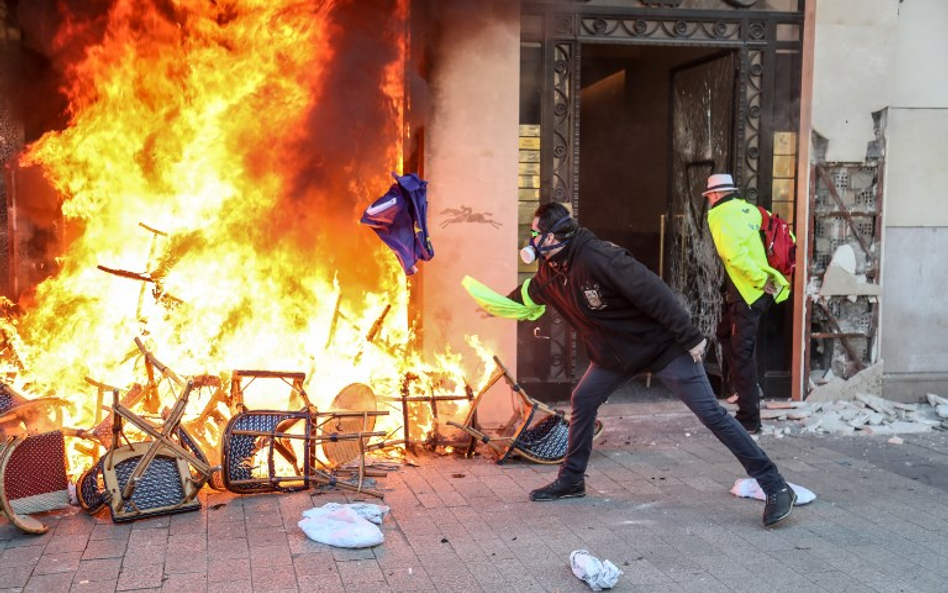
column 630, row 322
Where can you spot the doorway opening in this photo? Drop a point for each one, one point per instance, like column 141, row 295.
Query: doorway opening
column 654, row 123
column 626, row 140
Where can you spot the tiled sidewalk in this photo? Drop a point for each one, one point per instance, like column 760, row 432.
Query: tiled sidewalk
column 657, row 506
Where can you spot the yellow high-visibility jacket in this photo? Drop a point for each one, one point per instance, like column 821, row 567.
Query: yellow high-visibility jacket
column 735, row 228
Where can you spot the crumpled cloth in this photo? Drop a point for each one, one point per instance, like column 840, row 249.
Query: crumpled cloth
column 345, row 525
column 597, row 574
column 749, row 488
column 370, row 512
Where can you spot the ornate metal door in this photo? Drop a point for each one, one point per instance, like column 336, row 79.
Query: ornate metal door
column 702, row 124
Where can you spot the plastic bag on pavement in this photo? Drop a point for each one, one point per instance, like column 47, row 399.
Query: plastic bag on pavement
column 343, row 526
column 596, row 573
column 371, row 512
column 749, row 488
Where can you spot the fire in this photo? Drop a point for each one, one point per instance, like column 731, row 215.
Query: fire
column 215, row 163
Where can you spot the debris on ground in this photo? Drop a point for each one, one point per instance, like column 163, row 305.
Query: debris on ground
column 866, row 414
column 598, row 574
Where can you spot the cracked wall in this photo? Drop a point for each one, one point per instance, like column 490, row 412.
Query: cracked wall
column 881, row 111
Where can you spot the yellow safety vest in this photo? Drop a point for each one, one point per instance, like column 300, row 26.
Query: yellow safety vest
column 735, row 228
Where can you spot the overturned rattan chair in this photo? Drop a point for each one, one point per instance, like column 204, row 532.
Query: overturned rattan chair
column 32, row 458
column 536, row 431
column 32, row 478
column 267, row 450
column 143, row 479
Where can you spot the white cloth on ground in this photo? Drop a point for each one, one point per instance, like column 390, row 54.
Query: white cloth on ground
column 597, row 574
column 749, row 488
column 345, row 525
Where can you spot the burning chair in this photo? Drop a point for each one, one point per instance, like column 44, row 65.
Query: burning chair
column 143, row 479
column 32, row 458
column 535, row 432
column 266, row 451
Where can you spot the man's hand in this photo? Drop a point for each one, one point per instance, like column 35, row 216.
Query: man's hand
column 770, row 287
column 697, row 353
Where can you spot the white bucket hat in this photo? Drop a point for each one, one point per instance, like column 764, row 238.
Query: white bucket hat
column 721, row 182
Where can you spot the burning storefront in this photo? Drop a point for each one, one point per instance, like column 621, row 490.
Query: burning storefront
column 184, row 182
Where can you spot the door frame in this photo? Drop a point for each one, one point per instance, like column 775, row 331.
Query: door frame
column 562, row 31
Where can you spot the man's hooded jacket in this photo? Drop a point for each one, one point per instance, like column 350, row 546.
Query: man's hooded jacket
column 626, row 315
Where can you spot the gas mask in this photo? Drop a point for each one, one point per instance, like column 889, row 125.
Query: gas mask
column 533, row 250
column 529, row 254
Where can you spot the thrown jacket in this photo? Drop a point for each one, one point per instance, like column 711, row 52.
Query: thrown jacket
column 627, row 317
column 400, row 219
column 735, row 228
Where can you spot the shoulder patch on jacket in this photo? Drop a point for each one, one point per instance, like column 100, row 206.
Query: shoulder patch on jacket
column 593, row 296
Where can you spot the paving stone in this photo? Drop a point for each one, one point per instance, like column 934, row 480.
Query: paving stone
column 68, row 542
column 276, row 557
column 191, row 582
column 58, row 562
column 59, row 582
column 238, row 586
column 25, row 556
column 228, row 548
column 328, row 583
column 104, row 548
column 184, row 562
column 85, row 586
column 109, row 530
column 93, row 571
column 140, row 577
column 271, row 578
column 14, row 577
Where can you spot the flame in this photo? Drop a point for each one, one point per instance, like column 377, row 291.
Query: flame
column 216, row 161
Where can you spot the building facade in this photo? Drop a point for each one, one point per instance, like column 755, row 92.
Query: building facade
column 825, row 111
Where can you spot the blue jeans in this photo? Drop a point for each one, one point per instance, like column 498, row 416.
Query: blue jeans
column 689, row 382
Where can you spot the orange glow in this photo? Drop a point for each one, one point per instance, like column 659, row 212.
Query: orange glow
column 223, row 152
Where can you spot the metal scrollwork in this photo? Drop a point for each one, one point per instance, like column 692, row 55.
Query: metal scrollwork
column 564, row 24
column 756, row 31
column 639, row 27
column 564, row 101
column 753, row 95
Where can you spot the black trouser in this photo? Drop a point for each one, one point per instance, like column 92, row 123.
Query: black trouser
column 737, row 334
column 687, row 380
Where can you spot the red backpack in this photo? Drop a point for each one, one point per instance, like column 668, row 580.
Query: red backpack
column 779, row 243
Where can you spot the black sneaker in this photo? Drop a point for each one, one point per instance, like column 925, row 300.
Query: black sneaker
column 779, row 505
column 751, row 428
column 558, row 489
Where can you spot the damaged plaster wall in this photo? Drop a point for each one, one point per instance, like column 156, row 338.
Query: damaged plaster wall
column 855, row 49
column 472, row 156
column 879, row 99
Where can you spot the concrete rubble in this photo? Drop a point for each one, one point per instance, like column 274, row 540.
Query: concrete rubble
column 865, row 414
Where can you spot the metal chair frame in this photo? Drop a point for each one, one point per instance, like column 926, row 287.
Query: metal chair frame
column 506, row 444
